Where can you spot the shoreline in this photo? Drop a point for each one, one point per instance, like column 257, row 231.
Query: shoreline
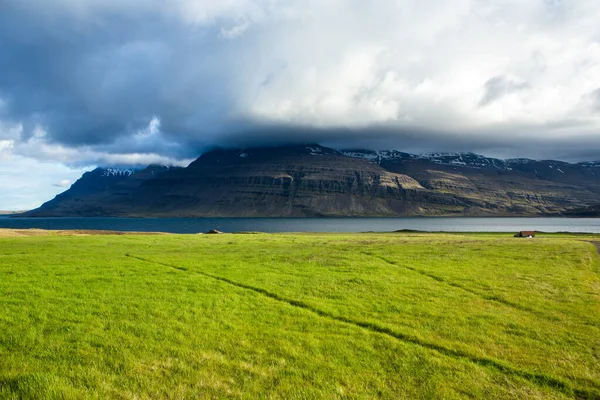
column 9, row 232
column 36, row 232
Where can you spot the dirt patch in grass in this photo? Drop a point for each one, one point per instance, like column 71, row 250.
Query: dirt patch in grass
column 23, row 232
column 76, row 232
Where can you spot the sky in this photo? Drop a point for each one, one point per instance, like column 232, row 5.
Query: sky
column 87, row 83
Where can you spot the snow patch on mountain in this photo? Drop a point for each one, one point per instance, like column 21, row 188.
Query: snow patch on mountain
column 117, row 172
column 371, row 156
column 590, row 164
column 467, row 160
column 376, row 156
column 458, row 159
column 519, row 161
column 315, row 151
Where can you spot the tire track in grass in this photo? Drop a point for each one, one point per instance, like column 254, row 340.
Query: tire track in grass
column 539, row 379
column 443, row 280
column 597, row 244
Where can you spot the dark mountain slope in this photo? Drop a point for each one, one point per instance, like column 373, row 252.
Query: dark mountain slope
column 101, row 192
column 319, row 181
column 283, row 181
column 286, row 181
column 587, row 212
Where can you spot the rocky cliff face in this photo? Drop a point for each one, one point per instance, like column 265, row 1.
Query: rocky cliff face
column 319, row 181
column 506, row 187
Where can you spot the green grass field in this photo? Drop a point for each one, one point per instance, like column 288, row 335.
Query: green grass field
column 299, row 316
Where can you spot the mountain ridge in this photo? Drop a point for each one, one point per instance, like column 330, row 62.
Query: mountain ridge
column 313, row 180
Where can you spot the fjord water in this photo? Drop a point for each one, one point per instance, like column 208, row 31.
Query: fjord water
column 197, row 225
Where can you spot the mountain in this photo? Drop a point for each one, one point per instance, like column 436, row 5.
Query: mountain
column 101, row 192
column 313, row 180
column 588, row 212
column 512, row 187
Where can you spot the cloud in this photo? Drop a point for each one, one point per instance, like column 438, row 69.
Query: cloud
column 147, row 146
column 65, row 183
column 154, row 81
column 26, row 183
column 500, row 86
column 34, row 170
column 39, row 149
column 595, row 97
column 236, row 30
column 6, row 147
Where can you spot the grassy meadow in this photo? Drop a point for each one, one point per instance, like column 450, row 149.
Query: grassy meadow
column 299, row 316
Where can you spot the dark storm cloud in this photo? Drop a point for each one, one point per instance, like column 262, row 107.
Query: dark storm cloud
column 414, row 140
column 89, row 84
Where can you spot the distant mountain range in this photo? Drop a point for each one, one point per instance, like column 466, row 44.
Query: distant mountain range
column 312, row 180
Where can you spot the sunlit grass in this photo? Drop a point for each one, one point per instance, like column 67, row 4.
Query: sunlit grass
column 299, row 316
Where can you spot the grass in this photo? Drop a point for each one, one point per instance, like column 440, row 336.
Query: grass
column 299, row 316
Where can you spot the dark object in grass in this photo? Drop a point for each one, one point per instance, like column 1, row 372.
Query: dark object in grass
column 526, row 234
column 213, row 232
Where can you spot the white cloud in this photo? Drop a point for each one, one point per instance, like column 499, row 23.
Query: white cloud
column 129, row 151
column 153, row 127
column 425, row 64
column 6, row 147
column 57, row 153
column 10, row 131
column 236, row 30
column 65, row 183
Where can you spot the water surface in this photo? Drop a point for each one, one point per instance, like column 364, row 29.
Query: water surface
column 196, row 225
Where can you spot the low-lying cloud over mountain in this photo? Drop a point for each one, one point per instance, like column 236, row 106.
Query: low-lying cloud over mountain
column 136, row 82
